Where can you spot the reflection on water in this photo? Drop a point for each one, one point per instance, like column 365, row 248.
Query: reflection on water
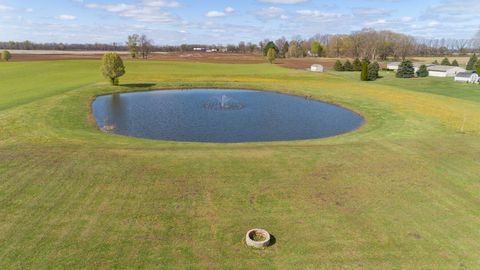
column 228, row 116
column 223, row 103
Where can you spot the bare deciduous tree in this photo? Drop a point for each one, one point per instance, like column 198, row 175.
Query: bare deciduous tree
column 145, row 46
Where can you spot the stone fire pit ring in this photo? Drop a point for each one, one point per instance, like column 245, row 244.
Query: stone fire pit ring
column 257, row 238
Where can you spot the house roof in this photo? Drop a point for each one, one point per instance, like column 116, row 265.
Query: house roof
column 464, row 74
column 416, row 65
column 441, row 68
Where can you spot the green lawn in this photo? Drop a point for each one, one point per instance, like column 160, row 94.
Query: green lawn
column 403, row 192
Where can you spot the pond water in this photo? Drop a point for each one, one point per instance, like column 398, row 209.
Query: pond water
column 221, row 116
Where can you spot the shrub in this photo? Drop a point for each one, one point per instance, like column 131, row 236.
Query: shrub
column 472, row 62
column 435, row 62
column 406, row 70
column 271, row 55
column 445, row 62
column 455, row 63
column 347, row 66
column 112, row 67
column 357, row 65
column 372, row 71
column 422, row 71
column 6, row 55
column 478, row 67
column 364, row 73
column 338, row 66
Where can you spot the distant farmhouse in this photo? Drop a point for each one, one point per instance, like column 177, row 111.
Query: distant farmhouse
column 467, row 77
column 200, row 49
column 433, row 70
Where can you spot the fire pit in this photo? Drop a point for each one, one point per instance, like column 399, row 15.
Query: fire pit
column 258, row 238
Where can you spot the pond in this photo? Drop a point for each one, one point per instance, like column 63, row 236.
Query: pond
column 221, row 116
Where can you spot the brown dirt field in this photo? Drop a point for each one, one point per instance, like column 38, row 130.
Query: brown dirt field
column 227, row 58
column 48, row 57
column 221, row 58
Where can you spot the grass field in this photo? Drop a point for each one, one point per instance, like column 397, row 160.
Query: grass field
column 403, row 192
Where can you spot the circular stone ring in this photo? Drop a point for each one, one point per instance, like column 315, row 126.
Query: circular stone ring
column 253, row 236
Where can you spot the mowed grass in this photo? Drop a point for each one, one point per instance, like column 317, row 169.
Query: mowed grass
column 403, row 192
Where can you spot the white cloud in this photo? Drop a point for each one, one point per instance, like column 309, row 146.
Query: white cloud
column 271, row 13
column 161, row 3
column 433, row 23
column 376, row 22
column 318, row 15
column 370, row 12
column 5, row 8
column 215, row 13
column 285, row 2
column 141, row 13
column 65, row 17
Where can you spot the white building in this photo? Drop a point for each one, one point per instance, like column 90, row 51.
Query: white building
column 466, row 77
column 433, row 70
column 394, row 66
column 444, row 71
column 316, row 68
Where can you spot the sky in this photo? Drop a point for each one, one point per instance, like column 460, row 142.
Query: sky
column 175, row 22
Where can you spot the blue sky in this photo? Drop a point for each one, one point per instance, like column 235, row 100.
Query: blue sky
column 222, row 21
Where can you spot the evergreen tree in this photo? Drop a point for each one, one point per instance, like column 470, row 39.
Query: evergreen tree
column 347, row 66
column 445, row 62
column 422, row 71
column 365, row 60
column 364, row 73
column 338, row 66
column 357, row 65
column 406, row 70
column 269, row 46
column 472, row 62
column 455, row 63
column 372, row 71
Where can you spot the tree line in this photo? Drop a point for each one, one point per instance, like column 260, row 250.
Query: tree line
column 364, row 44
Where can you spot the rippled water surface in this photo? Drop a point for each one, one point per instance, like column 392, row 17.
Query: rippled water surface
column 223, row 116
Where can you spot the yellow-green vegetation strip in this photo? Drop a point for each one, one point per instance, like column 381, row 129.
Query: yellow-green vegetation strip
column 402, row 192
